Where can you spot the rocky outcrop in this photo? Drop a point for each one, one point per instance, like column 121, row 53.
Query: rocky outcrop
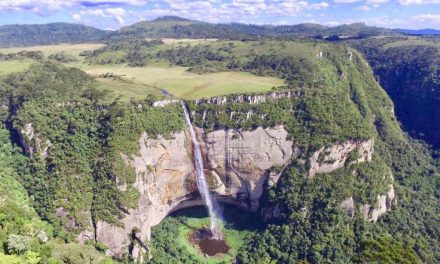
column 84, row 236
column 383, row 205
column 237, row 165
column 371, row 213
column 328, row 159
column 234, row 99
column 31, row 141
column 164, row 173
column 241, row 159
column 27, row 135
column 162, row 103
column 249, row 99
column 348, row 206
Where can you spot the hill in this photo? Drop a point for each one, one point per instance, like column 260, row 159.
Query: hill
column 45, row 34
column 176, row 27
column 420, row 32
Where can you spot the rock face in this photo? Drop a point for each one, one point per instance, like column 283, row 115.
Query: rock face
column 28, row 135
column 31, row 141
column 163, row 171
column 371, row 213
column 162, row 103
column 383, row 205
column 237, row 164
column 223, row 100
column 242, row 159
column 249, row 99
column 328, row 159
column 348, row 206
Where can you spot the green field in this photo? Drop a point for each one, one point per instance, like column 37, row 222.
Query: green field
column 183, row 84
column 12, row 66
column 71, row 49
column 126, row 89
column 142, row 81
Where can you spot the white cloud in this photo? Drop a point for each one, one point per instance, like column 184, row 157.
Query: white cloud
column 76, row 17
column 233, row 10
column 110, row 2
column 290, row 8
column 376, row 2
column 347, row 1
column 418, row 2
column 364, row 8
column 434, row 18
column 321, row 5
column 116, row 14
column 58, row 4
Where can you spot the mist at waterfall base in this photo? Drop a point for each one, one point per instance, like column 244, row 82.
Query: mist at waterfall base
column 202, row 184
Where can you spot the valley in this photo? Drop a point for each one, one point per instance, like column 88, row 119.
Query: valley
column 115, row 144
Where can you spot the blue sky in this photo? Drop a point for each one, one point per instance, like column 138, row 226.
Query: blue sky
column 113, row 14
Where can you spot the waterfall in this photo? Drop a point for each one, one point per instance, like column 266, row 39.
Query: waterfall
column 202, row 185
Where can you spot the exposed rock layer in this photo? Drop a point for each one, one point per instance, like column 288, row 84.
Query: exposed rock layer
column 237, row 163
column 328, row 159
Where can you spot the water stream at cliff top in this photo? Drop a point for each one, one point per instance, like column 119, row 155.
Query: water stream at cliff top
column 202, row 184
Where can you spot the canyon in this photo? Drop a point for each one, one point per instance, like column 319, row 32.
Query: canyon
column 239, row 166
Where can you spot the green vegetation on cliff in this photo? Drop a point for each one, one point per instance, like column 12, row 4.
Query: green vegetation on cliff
column 74, row 133
column 73, row 138
column 408, row 69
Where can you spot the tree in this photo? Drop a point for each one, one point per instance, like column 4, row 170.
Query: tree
column 18, row 244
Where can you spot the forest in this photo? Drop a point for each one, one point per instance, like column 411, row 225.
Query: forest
column 63, row 133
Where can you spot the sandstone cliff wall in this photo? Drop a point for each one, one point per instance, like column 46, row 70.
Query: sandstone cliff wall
column 237, row 167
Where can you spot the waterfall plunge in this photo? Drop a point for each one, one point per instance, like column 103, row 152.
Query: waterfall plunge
column 202, row 185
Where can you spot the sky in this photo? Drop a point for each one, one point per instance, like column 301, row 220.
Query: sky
column 113, row 14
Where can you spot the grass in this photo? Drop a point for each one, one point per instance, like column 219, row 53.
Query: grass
column 71, row 49
column 413, row 42
column 183, row 84
column 171, row 41
column 236, row 227
column 233, row 237
column 140, row 82
column 12, row 66
column 126, row 89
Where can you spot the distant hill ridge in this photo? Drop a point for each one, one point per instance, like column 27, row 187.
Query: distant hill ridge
column 45, row 34
column 178, row 27
column 425, row 31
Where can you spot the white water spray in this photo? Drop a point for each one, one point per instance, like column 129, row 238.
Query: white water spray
column 202, row 185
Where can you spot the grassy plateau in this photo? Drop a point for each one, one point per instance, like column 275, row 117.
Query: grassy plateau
column 138, row 82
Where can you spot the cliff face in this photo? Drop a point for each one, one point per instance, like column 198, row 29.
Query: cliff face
column 164, row 173
column 241, row 160
column 328, row 159
column 238, row 165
